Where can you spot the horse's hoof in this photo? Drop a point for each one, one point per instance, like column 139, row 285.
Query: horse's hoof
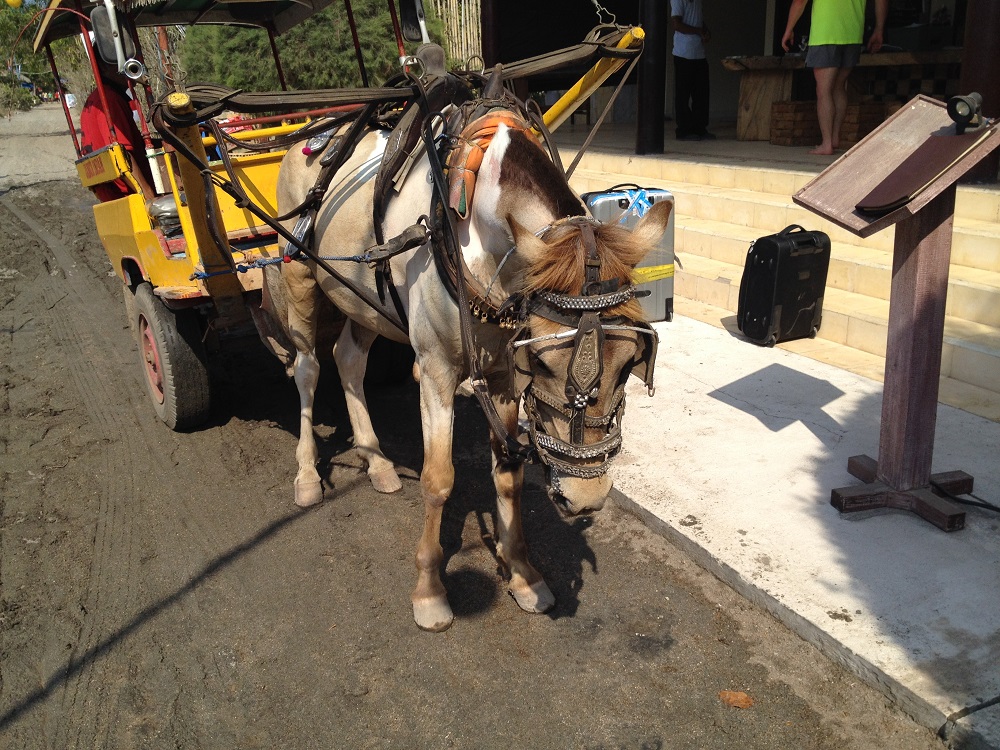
column 308, row 493
column 385, row 481
column 433, row 615
column 536, row 598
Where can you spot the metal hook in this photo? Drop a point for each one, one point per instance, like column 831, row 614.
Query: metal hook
column 411, row 62
column 482, row 64
column 601, row 10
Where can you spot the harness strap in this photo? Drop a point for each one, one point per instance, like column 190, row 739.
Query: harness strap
column 446, row 240
column 298, row 245
column 559, row 406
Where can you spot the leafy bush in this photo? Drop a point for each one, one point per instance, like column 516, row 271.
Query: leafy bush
column 14, row 98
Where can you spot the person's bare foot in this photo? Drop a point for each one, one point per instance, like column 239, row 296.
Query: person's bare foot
column 822, row 150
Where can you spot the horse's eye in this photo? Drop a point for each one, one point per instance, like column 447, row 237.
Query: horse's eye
column 539, row 364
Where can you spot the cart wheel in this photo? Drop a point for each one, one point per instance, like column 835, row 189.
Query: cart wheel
column 770, row 341
column 173, row 360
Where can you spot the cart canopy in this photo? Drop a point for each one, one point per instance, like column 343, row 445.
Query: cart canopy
column 279, row 15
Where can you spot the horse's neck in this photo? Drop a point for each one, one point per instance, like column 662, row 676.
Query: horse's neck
column 489, row 252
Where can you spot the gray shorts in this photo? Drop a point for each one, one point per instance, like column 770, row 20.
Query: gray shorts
column 833, row 56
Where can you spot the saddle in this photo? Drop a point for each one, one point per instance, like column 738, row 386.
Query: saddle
column 464, row 162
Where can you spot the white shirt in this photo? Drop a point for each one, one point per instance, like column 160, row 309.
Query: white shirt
column 688, row 46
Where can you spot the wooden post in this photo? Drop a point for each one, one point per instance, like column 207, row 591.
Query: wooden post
column 981, row 72
column 901, row 477
column 651, row 84
column 920, row 262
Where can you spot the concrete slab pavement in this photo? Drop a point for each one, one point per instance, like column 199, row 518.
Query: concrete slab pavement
column 734, row 458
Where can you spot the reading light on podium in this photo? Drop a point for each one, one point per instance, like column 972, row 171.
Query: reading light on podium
column 964, row 110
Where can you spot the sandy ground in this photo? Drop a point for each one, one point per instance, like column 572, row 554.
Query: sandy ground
column 160, row 589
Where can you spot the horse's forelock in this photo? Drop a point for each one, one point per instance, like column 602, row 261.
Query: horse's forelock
column 561, row 267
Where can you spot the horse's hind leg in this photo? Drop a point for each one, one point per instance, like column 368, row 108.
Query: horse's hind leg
column 303, row 293
column 527, row 586
column 308, row 487
column 351, row 355
column 431, row 610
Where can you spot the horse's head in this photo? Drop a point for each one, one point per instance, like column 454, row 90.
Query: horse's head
column 583, row 335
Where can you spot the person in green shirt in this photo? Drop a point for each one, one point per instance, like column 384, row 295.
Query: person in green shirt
column 836, row 32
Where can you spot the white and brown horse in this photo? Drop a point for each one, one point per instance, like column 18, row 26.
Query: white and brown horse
column 521, row 201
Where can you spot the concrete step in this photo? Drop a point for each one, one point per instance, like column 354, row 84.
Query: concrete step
column 970, row 353
column 975, row 242
column 973, row 294
column 975, row 203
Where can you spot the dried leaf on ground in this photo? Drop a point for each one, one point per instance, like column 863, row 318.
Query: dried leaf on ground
column 736, row 699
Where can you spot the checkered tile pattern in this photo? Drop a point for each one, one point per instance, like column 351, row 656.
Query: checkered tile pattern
column 887, row 84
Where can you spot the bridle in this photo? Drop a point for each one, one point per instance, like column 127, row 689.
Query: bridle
column 586, row 315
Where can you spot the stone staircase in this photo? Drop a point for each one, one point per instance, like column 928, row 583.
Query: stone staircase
column 721, row 209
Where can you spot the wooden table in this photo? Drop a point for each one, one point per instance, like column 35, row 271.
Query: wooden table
column 767, row 79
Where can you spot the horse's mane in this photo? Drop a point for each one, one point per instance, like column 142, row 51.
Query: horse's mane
column 561, row 267
column 526, row 168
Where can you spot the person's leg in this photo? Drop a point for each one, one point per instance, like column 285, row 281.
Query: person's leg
column 682, row 97
column 839, row 104
column 826, row 78
column 699, row 96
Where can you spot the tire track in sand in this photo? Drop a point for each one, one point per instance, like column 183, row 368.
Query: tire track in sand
column 79, row 314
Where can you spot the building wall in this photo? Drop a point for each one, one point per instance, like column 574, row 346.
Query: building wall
column 737, row 29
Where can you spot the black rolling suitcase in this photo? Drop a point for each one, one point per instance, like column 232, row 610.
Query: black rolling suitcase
column 784, row 281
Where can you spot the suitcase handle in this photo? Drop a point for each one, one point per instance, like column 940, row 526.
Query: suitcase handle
column 797, row 242
column 790, row 227
column 621, row 185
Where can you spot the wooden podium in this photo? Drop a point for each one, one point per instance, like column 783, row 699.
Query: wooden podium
column 901, row 477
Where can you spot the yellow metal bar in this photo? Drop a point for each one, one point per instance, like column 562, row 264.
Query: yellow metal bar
column 563, row 109
column 225, row 289
column 252, row 135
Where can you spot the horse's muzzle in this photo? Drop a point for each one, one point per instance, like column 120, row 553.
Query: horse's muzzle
column 573, row 496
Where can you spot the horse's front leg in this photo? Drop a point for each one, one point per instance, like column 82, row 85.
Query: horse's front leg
column 431, row 610
column 527, row 586
column 351, row 355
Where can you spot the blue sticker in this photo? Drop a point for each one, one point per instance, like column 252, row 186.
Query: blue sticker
column 639, row 204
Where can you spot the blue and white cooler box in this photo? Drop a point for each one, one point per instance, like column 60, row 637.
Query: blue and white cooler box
column 626, row 204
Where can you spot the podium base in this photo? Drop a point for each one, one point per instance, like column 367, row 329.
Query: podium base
column 923, row 501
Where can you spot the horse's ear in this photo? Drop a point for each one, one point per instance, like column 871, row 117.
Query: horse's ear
column 494, row 86
column 528, row 245
column 652, row 226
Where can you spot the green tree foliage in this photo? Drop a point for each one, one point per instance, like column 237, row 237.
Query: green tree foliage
column 16, row 25
column 318, row 53
column 12, row 21
column 16, row 58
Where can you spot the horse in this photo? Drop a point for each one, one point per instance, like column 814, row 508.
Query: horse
column 570, row 330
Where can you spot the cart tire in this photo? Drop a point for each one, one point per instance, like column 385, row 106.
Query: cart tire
column 173, row 360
